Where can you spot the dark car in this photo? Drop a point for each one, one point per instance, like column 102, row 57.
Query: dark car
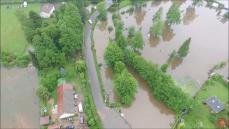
column 70, row 127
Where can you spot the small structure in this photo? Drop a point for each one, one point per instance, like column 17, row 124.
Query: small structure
column 47, row 10
column 80, row 107
column 44, row 120
column 214, row 104
column 65, row 102
column 25, row 4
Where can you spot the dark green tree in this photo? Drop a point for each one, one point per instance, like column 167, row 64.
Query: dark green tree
column 173, row 15
column 102, row 12
column 137, row 42
column 43, row 93
column 121, row 41
column 183, row 50
column 112, row 54
column 125, row 87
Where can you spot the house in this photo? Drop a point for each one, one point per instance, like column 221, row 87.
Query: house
column 25, row 4
column 214, row 104
column 65, row 102
column 47, row 10
column 44, row 120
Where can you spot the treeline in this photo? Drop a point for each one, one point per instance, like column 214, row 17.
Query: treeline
column 161, row 84
column 125, row 83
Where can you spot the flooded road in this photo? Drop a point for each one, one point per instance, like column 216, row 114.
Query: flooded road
column 208, row 47
column 19, row 103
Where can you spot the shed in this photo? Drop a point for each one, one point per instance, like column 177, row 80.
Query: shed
column 47, row 10
column 214, row 104
column 44, row 120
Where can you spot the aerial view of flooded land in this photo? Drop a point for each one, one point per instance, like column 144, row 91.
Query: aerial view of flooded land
column 94, row 64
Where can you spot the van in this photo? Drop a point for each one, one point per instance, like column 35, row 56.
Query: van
column 80, row 106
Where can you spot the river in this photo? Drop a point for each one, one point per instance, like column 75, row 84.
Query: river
column 209, row 46
column 19, row 103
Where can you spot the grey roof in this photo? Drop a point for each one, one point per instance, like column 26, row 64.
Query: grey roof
column 214, row 104
column 68, row 101
column 47, row 8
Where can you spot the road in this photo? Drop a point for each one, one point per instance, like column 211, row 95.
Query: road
column 109, row 117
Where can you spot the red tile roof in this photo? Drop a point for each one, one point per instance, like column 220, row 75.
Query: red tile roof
column 44, row 120
column 62, row 90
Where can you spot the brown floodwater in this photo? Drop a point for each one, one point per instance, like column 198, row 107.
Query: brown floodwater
column 209, row 44
column 208, row 47
column 19, row 103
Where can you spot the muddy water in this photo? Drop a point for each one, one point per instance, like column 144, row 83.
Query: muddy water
column 146, row 111
column 19, row 103
column 101, row 39
column 209, row 35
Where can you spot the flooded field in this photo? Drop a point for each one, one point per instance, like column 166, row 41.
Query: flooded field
column 208, row 47
column 209, row 34
column 19, row 103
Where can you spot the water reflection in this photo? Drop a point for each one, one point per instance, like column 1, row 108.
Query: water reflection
column 139, row 15
column 154, row 41
column 176, row 62
column 103, row 25
column 168, row 33
column 190, row 15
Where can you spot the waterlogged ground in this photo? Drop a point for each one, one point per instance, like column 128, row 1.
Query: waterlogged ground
column 19, row 103
column 208, row 47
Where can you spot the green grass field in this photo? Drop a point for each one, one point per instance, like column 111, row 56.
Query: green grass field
column 13, row 39
column 200, row 115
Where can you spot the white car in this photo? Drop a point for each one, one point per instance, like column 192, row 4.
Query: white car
column 90, row 22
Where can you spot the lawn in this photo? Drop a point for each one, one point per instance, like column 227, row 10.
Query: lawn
column 13, row 39
column 124, row 3
column 200, row 115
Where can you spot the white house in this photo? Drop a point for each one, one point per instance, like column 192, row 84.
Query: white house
column 47, row 10
column 25, row 4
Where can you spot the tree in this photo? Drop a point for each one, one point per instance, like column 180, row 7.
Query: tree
column 49, row 79
column 81, row 66
column 164, row 67
column 118, row 29
column 131, row 32
column 102, row 12
column 113, row 54
column 119, row 67
column 173, row 15
column 158, row 25
column 121, row 41
column 35, row 20
column 125, row 87
column 43, row 93
column 138, row 41
column 110, row 28
column 183, row 50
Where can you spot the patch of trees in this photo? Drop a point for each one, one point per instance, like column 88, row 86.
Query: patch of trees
column 183, row 50
column 56, row 41
column 173, row 15
column 10, row 59
column 161, row 84
column 137, row 43
column 125, row 83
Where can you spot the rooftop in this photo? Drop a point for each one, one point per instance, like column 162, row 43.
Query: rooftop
column 214, row 104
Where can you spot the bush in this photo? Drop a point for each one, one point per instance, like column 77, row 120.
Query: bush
column 113, row 54
column 9, row 59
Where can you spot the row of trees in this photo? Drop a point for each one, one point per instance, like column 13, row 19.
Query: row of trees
column 125, row 83
column 161, row 84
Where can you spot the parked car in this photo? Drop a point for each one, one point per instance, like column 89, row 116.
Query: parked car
column 81, row 119
column 90, row 21
column 70, row 127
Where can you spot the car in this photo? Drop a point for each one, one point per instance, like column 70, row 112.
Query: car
column 70, row 127
column 81, row 120
column 90, row 21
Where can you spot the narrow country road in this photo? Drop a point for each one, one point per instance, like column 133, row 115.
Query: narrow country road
column 109, row 117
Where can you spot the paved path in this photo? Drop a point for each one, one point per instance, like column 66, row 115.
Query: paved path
column 109, row 117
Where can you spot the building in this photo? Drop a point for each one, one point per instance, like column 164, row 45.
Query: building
column 47, row 10
column 214, row 104
column 25, row 4
column 65, row 102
